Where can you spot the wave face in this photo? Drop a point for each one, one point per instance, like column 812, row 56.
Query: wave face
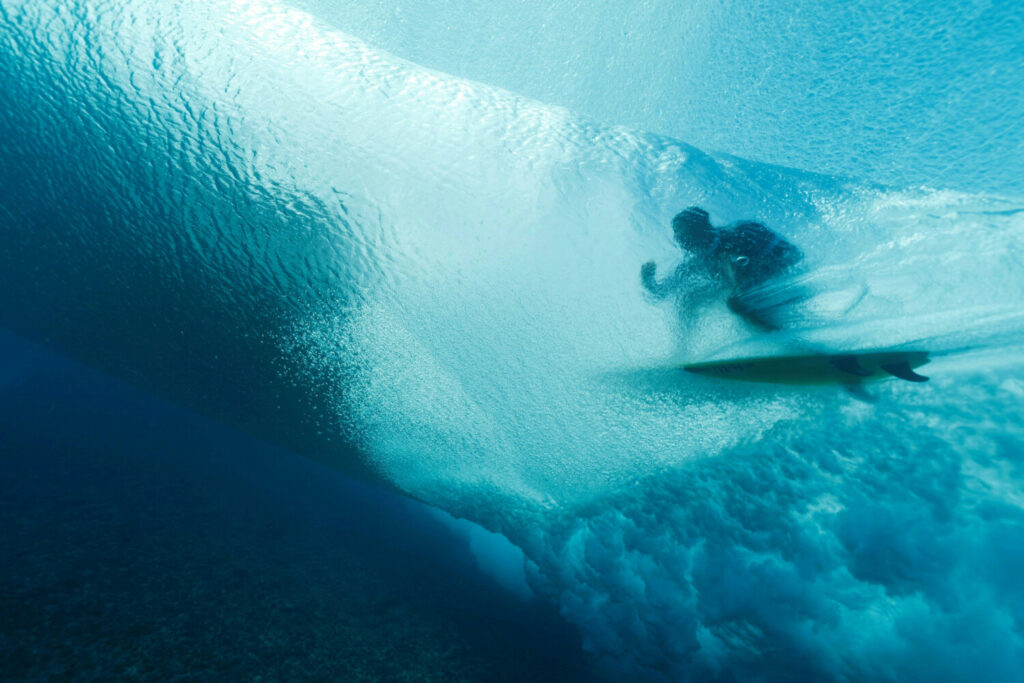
column 434, row 283
column 905, row 93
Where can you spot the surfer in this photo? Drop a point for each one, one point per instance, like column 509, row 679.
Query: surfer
column 740, row 258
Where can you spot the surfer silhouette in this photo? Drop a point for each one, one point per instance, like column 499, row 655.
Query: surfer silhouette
column 739, row 258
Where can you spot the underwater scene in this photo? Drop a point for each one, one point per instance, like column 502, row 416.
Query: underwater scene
column 676, row 340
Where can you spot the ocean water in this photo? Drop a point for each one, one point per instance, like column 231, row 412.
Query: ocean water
column 404, row 241
column 144, row 542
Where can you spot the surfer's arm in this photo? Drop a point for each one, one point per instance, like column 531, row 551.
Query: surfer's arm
column 659, row 290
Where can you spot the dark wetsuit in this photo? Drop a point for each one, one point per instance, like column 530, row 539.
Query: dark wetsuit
column 742, row 257
column 754, row 254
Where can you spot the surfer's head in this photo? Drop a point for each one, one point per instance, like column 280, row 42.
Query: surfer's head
column 692, row 229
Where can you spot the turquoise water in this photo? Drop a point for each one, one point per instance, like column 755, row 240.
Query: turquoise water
column 909, row 93
column 406, row 242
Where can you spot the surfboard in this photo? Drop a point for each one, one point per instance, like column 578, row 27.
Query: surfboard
column 818, row 368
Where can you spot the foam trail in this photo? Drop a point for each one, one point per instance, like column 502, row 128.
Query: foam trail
column 431, row 281
column 939, row 272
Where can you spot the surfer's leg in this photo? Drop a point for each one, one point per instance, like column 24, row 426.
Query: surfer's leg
column 750, row 314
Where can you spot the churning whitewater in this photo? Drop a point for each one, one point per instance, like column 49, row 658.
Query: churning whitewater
column 435, row 284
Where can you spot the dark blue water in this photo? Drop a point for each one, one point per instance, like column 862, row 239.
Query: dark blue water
column 140, row 541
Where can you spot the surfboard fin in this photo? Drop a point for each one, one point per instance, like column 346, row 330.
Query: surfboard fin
column 903, row 370
column 849, row 365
